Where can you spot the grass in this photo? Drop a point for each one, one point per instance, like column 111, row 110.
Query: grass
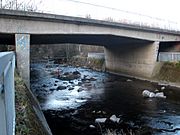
column 169, row 72
column 26, row 119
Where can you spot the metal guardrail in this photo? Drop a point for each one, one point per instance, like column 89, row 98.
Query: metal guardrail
column 169, row 56
column 7, row 97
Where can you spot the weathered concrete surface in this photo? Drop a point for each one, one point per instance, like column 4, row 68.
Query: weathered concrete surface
column 133, row 59
column 38, row 23
column 23, row 56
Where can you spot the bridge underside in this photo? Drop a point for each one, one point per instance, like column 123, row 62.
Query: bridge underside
column 122, row 54
column 87, row 39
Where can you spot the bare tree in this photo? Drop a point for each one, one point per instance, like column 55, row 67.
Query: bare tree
column 25, row 5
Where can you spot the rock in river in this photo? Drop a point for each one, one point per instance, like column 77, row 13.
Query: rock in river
column 61, row 87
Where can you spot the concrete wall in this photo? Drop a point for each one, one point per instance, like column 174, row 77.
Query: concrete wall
column 132, row 59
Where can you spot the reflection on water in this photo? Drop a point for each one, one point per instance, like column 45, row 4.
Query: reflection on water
column 70, row 106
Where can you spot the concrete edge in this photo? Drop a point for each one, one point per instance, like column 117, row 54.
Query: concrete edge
column 159, row 82
column 39, row 113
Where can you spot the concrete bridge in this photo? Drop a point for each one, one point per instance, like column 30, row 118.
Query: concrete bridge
column 129, row 49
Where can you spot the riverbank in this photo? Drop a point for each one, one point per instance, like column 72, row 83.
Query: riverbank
column 27, row 123
column 92, row 63
column 169, row 73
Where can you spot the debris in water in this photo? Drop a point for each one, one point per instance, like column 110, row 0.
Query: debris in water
column 163, row 88
column 147, row 94
column 98, row 112
column 160, row 95
column 94, row 111
column 100, row 120
column 113, row 118
column 92, row 126
column 156, row 90
column 129, row 80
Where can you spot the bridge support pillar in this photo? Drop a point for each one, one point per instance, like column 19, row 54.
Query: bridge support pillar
column 133, row 59
column 23, row 56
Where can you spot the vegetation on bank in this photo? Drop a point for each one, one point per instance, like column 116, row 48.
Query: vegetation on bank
column 170, row 72
column 95, row 64
column 26, row 119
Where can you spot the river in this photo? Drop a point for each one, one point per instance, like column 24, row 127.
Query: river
column 73, row 98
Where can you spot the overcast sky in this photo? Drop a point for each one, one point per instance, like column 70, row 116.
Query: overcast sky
column 167, row 10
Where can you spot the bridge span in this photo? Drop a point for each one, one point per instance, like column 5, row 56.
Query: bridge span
column 129, row 49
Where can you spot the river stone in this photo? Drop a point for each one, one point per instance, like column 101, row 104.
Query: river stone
column 76, row 73
column 44, row 85
column 71, row 88
column 100, row 120
column 92, row 79
column 80, row 89
column 61, row 88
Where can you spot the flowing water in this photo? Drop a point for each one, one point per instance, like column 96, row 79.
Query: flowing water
column 72, row 102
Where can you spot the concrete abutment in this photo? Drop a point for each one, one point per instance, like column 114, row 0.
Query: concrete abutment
column 133, row 59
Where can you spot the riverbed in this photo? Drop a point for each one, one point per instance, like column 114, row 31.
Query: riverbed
column 72, row 99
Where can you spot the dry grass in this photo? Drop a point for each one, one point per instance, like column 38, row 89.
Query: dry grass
column 26, row 120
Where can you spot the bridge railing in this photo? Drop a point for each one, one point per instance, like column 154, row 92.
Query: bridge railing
column 169, row 56
column 7, row 97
